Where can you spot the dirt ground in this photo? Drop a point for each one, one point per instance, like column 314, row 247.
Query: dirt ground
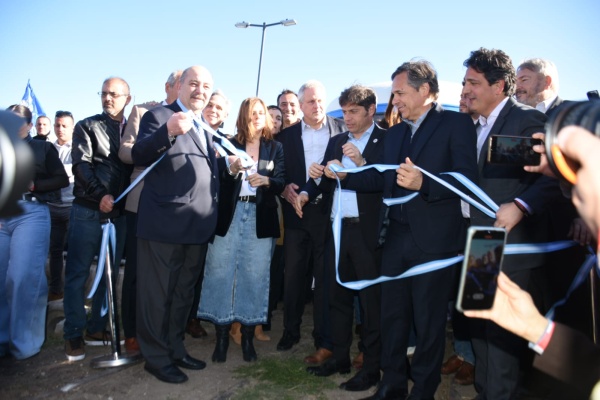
column 49, row 375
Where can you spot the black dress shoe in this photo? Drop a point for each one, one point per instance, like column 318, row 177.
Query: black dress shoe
column 169, row 373
column 287, row 341
column 329, row 367
column 361, row 381
column 387, row 392
column 190, row 362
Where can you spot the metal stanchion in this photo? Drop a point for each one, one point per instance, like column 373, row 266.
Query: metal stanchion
column 116, row 358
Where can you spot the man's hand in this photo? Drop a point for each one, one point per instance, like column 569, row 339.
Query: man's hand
column 106, row 204
column 543, row 168
column 514, row 310
column 301, row 200
column 580, row 232
column 408, row 176
column 353, row 153
column 289, row 193
column 330, row 174
column 179, row 123
column 508, row 216
column 315, row 170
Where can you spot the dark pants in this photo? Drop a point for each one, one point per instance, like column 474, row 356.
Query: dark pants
column 166, row 277
column 299, row 243
column 59, row 220
column 357, row 262
column 128, row 291
column 422, row 299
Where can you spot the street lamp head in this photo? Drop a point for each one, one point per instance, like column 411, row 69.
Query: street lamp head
column 244, row 24
column 288, row 22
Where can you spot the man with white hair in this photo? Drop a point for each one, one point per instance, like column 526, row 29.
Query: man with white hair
column 537, row 84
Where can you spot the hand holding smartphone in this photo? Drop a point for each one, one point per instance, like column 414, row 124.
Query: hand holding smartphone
column 484, row 253
column 513, row 150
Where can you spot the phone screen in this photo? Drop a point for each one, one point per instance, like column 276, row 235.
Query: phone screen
column 513, row 150
column 483, row 258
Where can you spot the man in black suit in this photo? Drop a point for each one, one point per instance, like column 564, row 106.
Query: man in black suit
column 488, row 84
column 177, row 216
column 537, row 85
column 359, row 257
column 304, row 145
column 429, row 227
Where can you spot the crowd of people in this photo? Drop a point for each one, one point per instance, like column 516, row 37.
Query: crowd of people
column 200, row 231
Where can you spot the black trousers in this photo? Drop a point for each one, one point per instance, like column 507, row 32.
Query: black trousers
column 298, row 245
column 357, row 262
column 422, row 299
column 167, row 274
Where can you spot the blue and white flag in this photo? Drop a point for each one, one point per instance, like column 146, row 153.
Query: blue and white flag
column 32, row 103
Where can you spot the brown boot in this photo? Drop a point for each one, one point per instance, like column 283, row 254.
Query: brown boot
column 235, row 333
column 357, row 363
column 465, row 374
column 260, row 335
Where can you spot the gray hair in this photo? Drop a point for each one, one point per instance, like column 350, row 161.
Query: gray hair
column 542, row 67
column 312, row 84
column 173, row 77
column 219, row 92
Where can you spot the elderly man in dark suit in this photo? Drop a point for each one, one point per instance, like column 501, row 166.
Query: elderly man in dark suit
column 177, row 216
column 304, row 145
column 522, row 197
column 359, row 259
column 427, row 228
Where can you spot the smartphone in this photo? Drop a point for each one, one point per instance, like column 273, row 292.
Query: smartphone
column 513, row 150
column 483, row 259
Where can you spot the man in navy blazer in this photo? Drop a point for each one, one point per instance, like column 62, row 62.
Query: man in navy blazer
column 429, row 227
column 523, row 198
column 304, row 144
column 177, row 216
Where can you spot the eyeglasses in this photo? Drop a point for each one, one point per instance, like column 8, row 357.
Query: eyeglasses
column 61, row 114
column 111, row 94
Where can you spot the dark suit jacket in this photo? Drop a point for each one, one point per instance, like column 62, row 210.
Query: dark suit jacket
column 179, row 200
column 270, row 164
column 295, row 164
column 445, row 141
column 572, row 358
column 369, row 204
column 504, row 183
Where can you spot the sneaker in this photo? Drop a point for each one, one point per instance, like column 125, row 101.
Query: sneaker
column 74, row 349
column 97, row 339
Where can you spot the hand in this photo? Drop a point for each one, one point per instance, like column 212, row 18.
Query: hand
column 408, row 177
column 289, row 193
column 353, row 153
column 332, row 175
column 579, row 232
column 543, row 168
column 235, row 165
column 514, row 310
column 256, row 180
column 581, row 147
column 106, row 204
column 508, row 216
column 179, row 123
column 301, row 200
column 315, row 170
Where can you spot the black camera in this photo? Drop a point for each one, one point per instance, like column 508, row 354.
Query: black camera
column 16, row 164
column 585, row 114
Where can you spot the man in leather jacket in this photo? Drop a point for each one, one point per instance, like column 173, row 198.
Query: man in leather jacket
column 100, row 177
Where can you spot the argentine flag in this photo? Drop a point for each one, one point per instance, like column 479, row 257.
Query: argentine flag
column 32, row 103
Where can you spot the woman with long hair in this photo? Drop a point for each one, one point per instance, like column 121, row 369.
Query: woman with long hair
column 236, row 275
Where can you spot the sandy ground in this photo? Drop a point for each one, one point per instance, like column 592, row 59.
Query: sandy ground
column 49, row 375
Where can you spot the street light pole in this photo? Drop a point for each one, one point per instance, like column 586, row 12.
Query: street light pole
column 264, row 26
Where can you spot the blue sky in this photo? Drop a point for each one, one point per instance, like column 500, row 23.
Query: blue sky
column 67, row 48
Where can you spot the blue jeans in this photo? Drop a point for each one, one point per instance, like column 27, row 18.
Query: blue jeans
column 24, row 242
column 85, row 236
column 236, row 273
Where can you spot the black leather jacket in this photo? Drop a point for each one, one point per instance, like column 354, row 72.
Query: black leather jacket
column 97, row 168
column 50, row 175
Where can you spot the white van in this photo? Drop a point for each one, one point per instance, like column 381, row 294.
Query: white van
column 449, row 97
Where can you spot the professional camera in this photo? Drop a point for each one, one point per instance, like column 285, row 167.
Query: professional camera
column 585, row 114
column 16, row 164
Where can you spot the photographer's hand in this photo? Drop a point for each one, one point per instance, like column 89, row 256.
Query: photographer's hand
column 544, row 167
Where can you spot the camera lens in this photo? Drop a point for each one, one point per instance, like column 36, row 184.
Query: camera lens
column 585, row 114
